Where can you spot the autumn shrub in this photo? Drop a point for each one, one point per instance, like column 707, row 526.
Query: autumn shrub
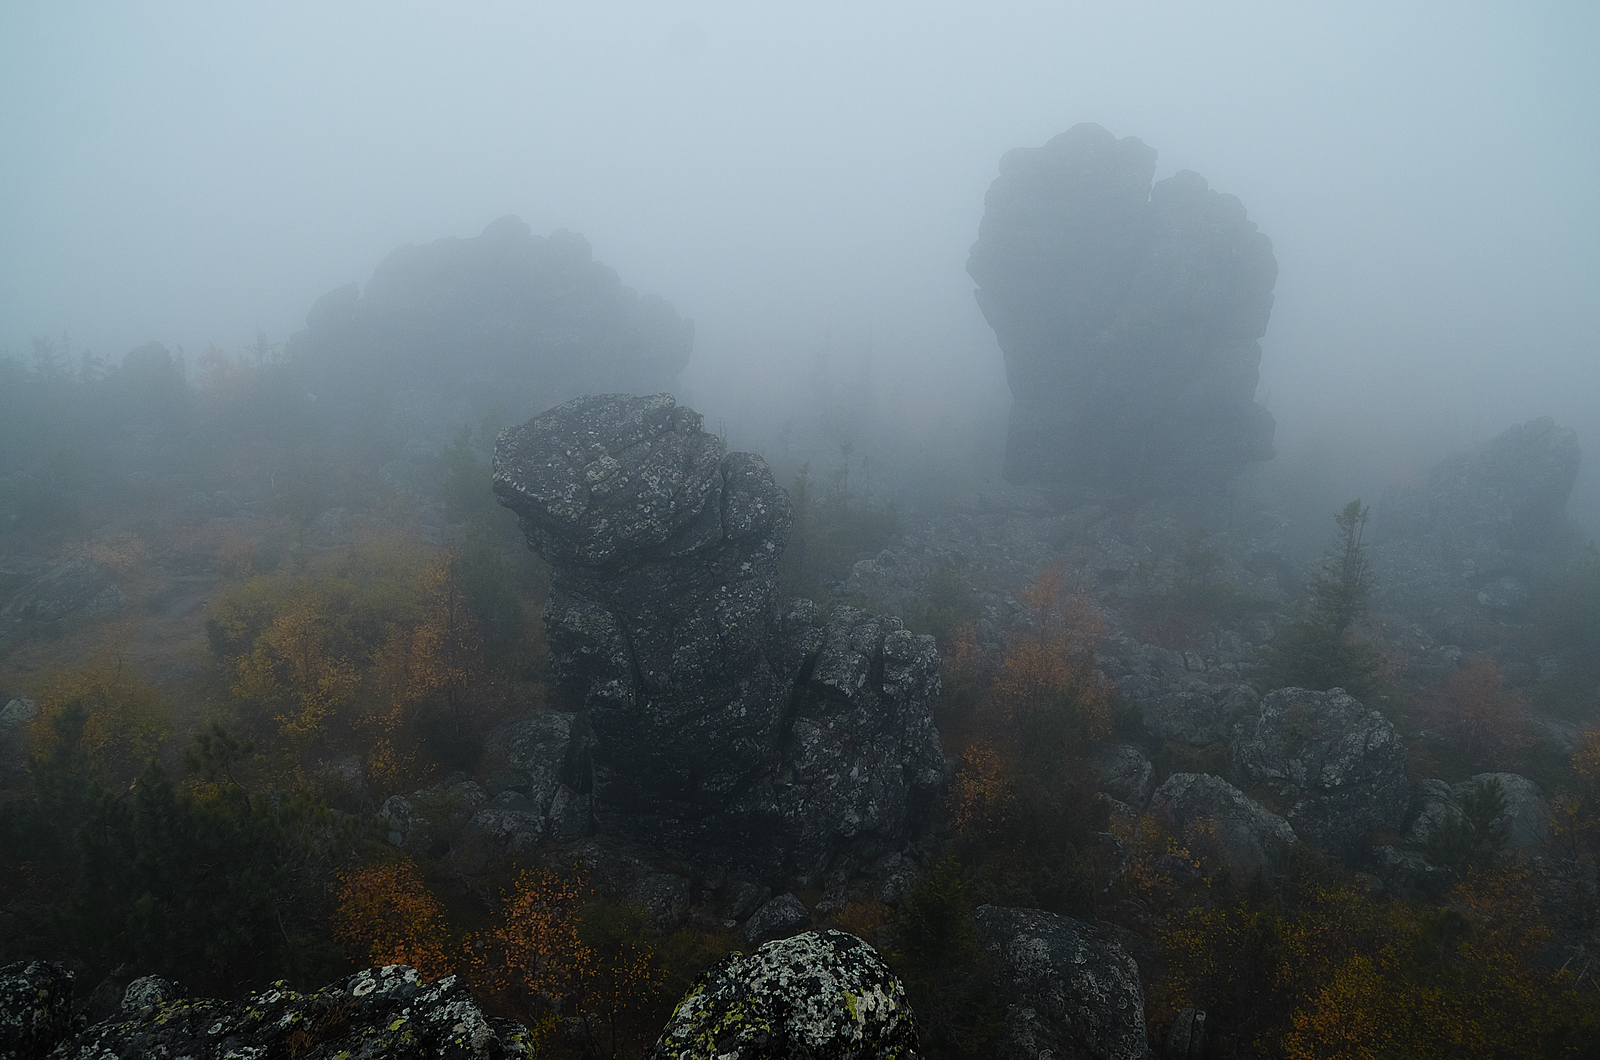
column 1020, row 805
column 1486, row 719
column 385, row 914
column 123, row 719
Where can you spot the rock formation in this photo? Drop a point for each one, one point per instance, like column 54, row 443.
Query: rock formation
column 35, row 1008
column 380, row 1012
column 1128, row 315
column 1337, row 763
column 506, row 316
column 1221, row 824
column 1462, row 549
column 714, row 718
column 1069, row 993
column 817, row 996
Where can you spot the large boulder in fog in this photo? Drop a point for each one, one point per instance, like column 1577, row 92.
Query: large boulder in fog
column 1220, row 824
column 506, row 316
column 1128, row 315
column 1338, row 764
column 1511, row 494
column 1070, row 991
column 716, row 718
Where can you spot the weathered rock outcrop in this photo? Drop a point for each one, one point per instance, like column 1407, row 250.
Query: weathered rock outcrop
column 1070, row 993
column 380, row 1012
column 505, row 316
column 35, row 1009
column 1128, row 315
column 1221, row 824
column 1526, row 817
column 817, row 996
column 1462, row 549
column 712, row 718
column 1338, row 763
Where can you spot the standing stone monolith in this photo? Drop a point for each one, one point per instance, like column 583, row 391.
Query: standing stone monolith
column 1128, row 316
column 721, row 721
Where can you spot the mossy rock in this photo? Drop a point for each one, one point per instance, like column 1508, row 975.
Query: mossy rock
column 819, row 996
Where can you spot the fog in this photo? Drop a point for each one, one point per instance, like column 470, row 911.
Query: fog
column 804, row 184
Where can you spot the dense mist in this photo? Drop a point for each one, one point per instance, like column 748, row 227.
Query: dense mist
column 804, row 186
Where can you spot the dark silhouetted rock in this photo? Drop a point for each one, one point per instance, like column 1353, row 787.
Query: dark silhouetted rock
column 1511, row 494
column 1187, row 1039
column 1125, row 774
column 817, row 996
column 533, row 320
column 60, row 594
column 1071, row 993
column 1338, row 762
column 1462, row 550
column 1221, row 824
column 1128, row 315
column 713, row 718
column 780, row 916
column 380, row 1012
column 35, row 1009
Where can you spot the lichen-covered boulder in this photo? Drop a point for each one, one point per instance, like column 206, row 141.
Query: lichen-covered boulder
column 1071, row 993
column 817, row 996
column 35, row 1008
column 1338, row 762
column 1220, row 824
column 381, row 1012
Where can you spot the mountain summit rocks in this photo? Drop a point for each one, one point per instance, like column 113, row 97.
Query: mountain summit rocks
column 1128, row 315
column 717, row 720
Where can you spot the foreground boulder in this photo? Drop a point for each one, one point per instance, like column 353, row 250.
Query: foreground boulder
column 817, row 996
column 1070, row 993
column 1128, row 315
column 35, row 1009
column 1220, row 824
column 381, row 1012
column 1338, row 763
column 711, row 719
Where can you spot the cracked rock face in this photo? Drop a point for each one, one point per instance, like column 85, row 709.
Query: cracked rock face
column 1128, row 315
column 712, row 717
column 1070, row 993
column 1221, row 824
column 35, row 1008
column 384, row 1012
column 817, row 996
column 1339, row 762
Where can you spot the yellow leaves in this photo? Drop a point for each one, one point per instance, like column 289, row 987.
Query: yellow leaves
column 1343, row 1020
column 127, row 720
column 295, row 667
column 982, row 792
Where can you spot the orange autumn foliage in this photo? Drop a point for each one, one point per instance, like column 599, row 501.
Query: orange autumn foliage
column 1484, row 716
column 1054, row 668
column 533, row 957
column 386, row 914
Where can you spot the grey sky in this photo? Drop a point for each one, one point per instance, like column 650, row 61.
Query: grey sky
column 190, row 172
